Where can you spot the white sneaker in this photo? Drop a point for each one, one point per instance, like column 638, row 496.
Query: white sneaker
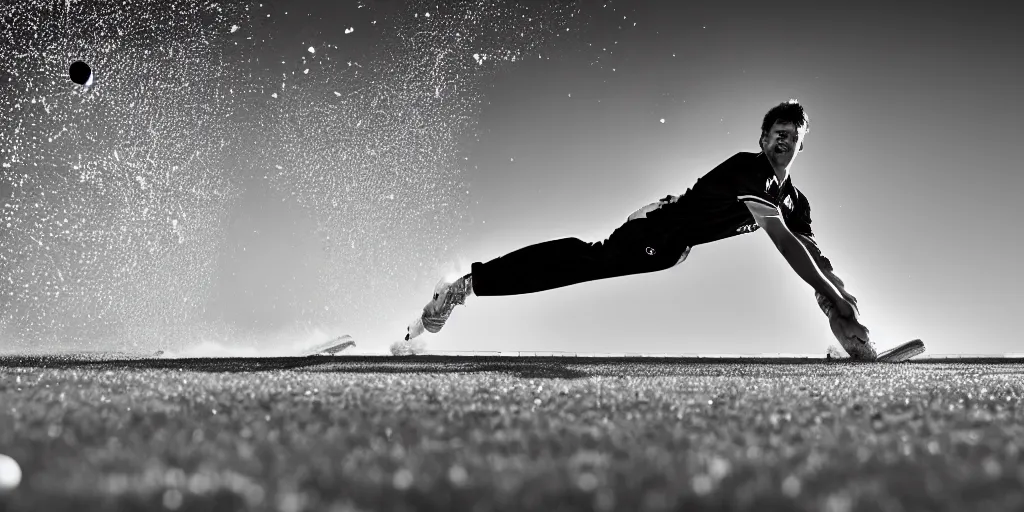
column 437, row 311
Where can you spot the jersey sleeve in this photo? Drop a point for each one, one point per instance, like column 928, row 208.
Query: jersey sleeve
column 749, row 185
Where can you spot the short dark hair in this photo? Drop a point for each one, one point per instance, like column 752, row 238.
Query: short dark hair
column 787, row 112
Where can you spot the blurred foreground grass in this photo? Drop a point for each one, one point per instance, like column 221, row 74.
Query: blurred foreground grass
column 476, row 434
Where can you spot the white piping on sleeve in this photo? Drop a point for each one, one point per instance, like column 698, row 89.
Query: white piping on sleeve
column 757, row 199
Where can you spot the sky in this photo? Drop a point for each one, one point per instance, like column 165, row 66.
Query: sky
column 910, row 167
column 303, row 194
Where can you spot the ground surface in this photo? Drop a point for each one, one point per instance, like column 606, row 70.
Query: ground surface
column 422, row 433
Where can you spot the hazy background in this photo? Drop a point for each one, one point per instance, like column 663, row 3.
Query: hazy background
column 264, row 196
column 911, row 169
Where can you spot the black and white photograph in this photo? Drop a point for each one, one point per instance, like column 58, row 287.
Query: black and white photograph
column 511, row 255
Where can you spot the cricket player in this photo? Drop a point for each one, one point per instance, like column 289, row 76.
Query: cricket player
column 746, row 193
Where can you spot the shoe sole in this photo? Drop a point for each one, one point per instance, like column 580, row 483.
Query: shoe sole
column 902, row 352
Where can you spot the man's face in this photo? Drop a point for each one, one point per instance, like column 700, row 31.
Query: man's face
column 781, row 143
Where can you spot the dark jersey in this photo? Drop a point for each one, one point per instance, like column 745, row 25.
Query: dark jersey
column 715, row 207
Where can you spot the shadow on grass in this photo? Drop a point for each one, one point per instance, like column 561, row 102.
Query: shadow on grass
column 521, row 367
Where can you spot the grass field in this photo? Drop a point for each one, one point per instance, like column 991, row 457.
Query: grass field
column 538, row 434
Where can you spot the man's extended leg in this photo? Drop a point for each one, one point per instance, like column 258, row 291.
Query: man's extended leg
column 636, row 247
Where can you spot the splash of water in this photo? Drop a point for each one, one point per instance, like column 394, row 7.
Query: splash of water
column 122, row 201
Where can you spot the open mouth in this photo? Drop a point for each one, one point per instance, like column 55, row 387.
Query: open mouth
column 781, row 148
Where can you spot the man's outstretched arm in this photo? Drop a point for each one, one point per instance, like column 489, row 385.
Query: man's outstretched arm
column 841, row 327
column 826, row 268
column 846, row 327
column 791, row 248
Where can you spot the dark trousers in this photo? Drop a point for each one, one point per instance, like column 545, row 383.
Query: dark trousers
column 638, row 246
